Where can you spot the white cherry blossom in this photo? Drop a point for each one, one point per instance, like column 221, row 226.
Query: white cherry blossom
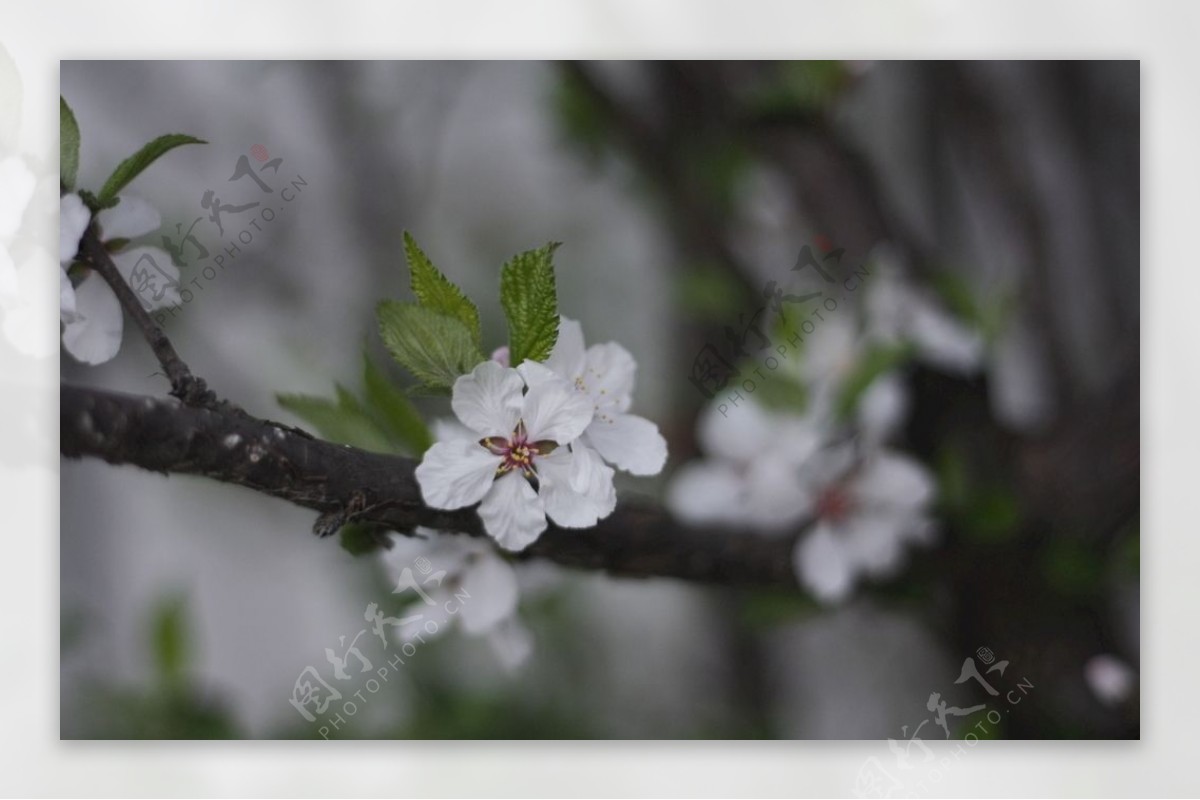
column 752, row 476
column 1109, row 678
column 474, row 589
column 865, row 511
column 24, row 259
column 524, row 463
column 604, row 373
column 897, row 311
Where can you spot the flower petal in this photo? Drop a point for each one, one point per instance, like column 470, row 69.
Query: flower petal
column 29, row 324
column 822, row 566
column 576, row 487
column 437, row 613
column 706, row 492
column 553, row 410
column 456, row 474
column 512, row 512
column 943, row 340
column 17, row 183
column 889, row 480
column 738, row 433
column 882, row 407
column 8, row 273
column 832, row 350
column 73, row 219
column 874, row 542
column 66, row 298
column 130, row 218
column 608, row 377
column 567, row 357
column 512, row 643
column 95, row 335
column 629, row 442
column 775, row 496
column 450, row 430
column 1021, row 386
column 490, row 584
column 151, row 274
column 488, row 399
column 536, row 374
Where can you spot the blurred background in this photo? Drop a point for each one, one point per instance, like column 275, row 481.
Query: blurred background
column 1006, row 193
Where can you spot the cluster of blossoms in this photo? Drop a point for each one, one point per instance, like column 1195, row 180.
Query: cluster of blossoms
column 91, row 315
column 775, row 468
column 474, row 571
column 536, row 442
column 533, row 444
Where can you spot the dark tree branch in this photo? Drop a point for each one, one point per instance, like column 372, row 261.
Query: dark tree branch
column 347, row 484
column 184, row 385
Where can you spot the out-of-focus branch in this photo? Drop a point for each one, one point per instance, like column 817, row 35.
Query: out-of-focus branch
column 346, row 484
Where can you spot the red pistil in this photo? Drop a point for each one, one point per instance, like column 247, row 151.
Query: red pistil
column 834, row 503
column 518, row 452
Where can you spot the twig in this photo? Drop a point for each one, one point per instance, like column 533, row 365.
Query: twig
column 344, row 483
column 184, row 385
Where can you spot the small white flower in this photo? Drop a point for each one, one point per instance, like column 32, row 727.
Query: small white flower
column 865, row 511
column 604, row 373
column 1109, row 678
column 477, row 591
column 18, row 182
column 898, row 311
column 832, row 354
column 90, row 313
column 526, row 438
column 23, row 259
column 752, row 476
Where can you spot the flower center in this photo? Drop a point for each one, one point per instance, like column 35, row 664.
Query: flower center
column 518, row 452
column 834, row 503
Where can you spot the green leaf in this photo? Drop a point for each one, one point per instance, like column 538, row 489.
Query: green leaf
column 437, row 349
column 170, row 640
column 94, row 204
column 769, row 608
column 343, row 421
column 68, row 145
column 709, row 293
column 435, row 292
column 391, row 406
column 133, row 166
column 361, row 538
column 531, row 304
column 781, row 393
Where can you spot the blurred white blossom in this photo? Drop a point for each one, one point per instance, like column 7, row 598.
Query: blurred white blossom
column 1109, row 678
column 866, row 510
column 751, row 474
column 476, row 590
column 898, row 312
column 91, row 315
